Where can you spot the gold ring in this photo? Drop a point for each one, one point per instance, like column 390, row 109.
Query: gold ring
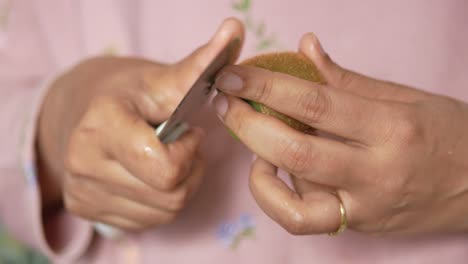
column 344, row 221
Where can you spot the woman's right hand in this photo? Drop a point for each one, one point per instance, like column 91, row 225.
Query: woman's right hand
column 98, row 151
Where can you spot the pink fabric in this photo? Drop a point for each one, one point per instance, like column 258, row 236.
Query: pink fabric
column 420, row 43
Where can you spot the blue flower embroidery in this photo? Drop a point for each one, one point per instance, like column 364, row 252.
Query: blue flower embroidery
column 231, row 234
column 29, row 170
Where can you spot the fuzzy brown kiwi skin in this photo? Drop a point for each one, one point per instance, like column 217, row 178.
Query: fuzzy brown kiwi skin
column 291, row 63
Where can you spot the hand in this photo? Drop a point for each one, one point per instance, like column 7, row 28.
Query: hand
column 396, row 157
column 98, row 149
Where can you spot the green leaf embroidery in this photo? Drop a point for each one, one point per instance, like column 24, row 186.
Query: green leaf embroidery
column 260, row 30
column 3, row 19
column 11, row 251
column 242, row 5
column 249, row 232
column 266, row 43
column 249, row 24
column 4, row 12
column 110, row 50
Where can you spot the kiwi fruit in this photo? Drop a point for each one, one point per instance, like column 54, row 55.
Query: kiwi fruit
column 291, row 63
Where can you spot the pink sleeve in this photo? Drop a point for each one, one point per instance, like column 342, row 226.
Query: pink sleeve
column 24, row 65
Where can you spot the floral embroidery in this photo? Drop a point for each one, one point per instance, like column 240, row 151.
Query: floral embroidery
column 264, row 40
column 29, row 170
column 231, row 234
column 4, row 12
column 110, row 50
column 11, row 251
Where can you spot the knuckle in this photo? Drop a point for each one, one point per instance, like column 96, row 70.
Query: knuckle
column 407, row 129
column 95, row 117
column 296, row 155
column 295, row 224
column 78, row 190
column 345, row 78
column 138, row 148
column 263, row 91
column 240, row 122
column 81, row 137
column 186, row 149
column 168, row 179
column 315, row 105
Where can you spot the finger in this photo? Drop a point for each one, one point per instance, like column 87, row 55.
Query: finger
column 319, row 214
column 328, row 109
column 351, row 81
column 120, row 223
column 192, row 66
column 129, row 140
column 179, row 77
column 103, row 203
column 115, row 179
column 145, row 217
column 304, row 187
column 91, row 213
column 314, row 158
column 161, row 166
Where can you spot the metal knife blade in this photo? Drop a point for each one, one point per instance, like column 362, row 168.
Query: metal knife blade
column 180, row 121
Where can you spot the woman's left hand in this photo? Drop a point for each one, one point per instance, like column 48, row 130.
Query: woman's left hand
column 399, row 166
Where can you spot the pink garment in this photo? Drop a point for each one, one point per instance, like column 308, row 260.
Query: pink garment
column 419, row 43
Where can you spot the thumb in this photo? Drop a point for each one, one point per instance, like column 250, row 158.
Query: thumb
column 356, row 83
column 166, row 90
column 192, row 66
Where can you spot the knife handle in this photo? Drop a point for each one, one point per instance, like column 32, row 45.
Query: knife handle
column 115, row 233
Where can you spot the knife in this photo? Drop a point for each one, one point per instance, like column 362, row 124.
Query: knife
column 184, row 115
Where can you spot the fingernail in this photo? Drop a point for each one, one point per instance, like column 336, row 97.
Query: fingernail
column 228, row 81
column 222, row 31
column 221, row 105
column 317, row 45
